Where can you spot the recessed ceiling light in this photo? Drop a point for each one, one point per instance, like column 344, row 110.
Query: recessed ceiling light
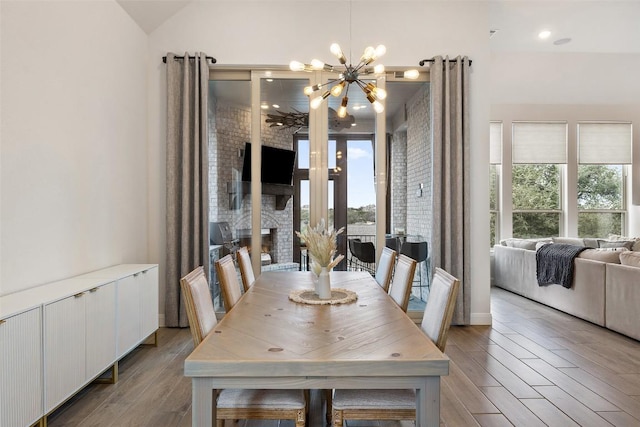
column 544, row 34
column 353, row 124
column 276, row 106
column 264, row 106
column 562, row 41
column 269, row 80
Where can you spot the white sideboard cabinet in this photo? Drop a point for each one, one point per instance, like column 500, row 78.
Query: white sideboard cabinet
column 57, row 338
column 21, row 391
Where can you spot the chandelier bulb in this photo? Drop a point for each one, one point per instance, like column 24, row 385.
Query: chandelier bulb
column 379, row 93
column 377, row 105
column 296, row 66
column 316, row 64
column 308, row 90
column 367, row 56
column 380, row 50
column 337, row 89
column 342, row 111
column 315, row 102
column 378, row 69
column 337, row 51
column 411, row 74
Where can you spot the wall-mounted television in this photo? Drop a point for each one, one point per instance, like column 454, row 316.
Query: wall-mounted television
column 277, row 165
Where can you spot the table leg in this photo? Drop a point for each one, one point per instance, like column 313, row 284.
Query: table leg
column 428, row 403
column 203, row 411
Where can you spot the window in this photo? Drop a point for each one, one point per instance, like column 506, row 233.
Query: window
column 603, row 150
column 539, row 151
column 495, row 157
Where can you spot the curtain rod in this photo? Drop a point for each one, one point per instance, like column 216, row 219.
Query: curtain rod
column 433, row 60
column 212, row 59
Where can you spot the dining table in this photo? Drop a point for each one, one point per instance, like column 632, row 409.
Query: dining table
column 269, row 341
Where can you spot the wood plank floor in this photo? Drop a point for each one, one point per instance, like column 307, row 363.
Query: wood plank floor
column 534, row 366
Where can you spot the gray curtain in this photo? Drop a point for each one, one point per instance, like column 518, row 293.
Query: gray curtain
column 187, row 177
column 450, row 162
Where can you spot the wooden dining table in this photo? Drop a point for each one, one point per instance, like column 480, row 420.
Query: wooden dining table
column 267, row 341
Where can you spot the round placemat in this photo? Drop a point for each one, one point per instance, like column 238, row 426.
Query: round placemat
column 309, row 296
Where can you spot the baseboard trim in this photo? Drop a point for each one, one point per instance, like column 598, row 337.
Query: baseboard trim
column 481, row 319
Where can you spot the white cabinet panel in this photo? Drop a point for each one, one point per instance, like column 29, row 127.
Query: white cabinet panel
column 21, row 369
column 64, row 349
column 101, row 329
column 149, row 294
column 129, row 316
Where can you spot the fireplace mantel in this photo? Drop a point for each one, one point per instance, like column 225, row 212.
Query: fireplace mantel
column 238, row 189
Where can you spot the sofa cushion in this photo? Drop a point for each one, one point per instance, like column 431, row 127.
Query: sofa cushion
column 591, row 242
column 630, row 258
column 615, row 244
column 636, row 240
column 568, row 240
column 610, row 255
column 529, row 244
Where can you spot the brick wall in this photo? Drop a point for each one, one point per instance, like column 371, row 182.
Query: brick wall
column 229, row 130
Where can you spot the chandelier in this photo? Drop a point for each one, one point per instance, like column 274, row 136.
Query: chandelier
column 348, row 74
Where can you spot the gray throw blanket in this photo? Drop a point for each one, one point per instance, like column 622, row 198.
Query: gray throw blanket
column 554, row 263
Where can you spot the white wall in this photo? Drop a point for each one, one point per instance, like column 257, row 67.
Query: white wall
column 73, row 167
column 275, row 32
column 572, row 87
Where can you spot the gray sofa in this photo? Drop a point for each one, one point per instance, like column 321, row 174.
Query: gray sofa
column 605, row 293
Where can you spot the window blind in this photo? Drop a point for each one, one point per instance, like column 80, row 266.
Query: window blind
column 539, row 142
column 604, row 143
column 495, row 143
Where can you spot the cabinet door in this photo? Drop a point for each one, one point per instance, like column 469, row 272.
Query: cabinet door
column 21, row 369
column 148, row 280
column 101, row 329
column 64, row 349
column 128, row 307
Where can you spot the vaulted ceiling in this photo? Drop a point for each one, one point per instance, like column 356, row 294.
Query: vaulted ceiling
column 605, row 26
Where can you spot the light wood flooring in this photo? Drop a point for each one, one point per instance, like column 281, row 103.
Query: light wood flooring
column 534, row 366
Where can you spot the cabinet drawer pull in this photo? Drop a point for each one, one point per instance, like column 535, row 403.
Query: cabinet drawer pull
column 93, row 289
column 2, row 321
column 78, row 295
column 136, row 274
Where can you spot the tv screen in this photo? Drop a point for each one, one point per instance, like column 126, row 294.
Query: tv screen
column 277, row 165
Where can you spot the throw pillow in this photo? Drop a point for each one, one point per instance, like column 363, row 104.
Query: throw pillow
column 611, row 255
column 630, row 258
column 636, row 245
column 615, row 244
column 521, row 244
column 541, row 244
column 568, row 240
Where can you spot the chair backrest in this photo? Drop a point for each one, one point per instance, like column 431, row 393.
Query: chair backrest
column 440, row 307
column 246, row 271
column 229, row 285
column 384, row 272
column 199, row 305
column 393, row 243
column 367, row 252
column 416, row 250
column 400, row 288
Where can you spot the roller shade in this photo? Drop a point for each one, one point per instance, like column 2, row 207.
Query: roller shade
column 538, row 142
column 604, row 143
column 495, row 143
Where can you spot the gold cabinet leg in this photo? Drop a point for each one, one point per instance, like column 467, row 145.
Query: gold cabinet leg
column 155, row 339
column 109, row 380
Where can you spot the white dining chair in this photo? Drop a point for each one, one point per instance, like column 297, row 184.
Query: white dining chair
column 384, row 272
column 246, row 270
column 375, row 404
column 234, row 404
column 228, row 278
column 400, row 288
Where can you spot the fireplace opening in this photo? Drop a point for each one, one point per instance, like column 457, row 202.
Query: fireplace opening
column 268, row 254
